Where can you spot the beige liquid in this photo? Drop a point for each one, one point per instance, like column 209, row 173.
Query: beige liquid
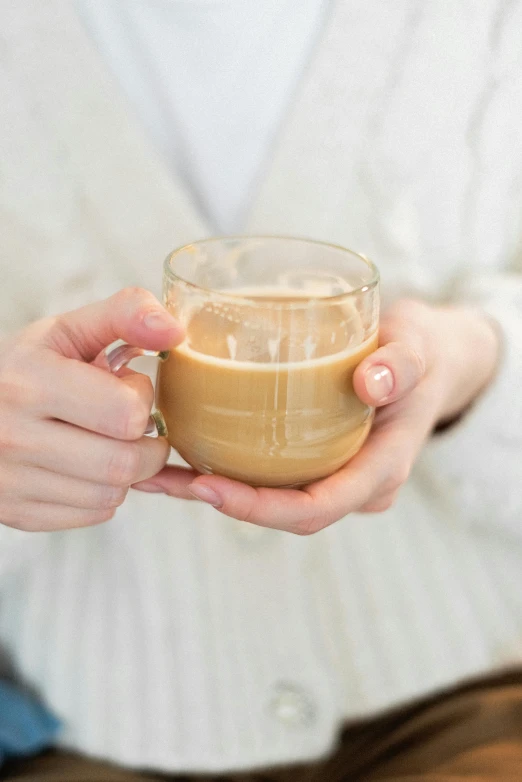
column 266, row 396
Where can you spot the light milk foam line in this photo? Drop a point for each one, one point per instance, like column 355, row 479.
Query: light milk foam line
column 255, row 366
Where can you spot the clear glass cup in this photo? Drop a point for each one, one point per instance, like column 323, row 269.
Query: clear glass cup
column 261, row 388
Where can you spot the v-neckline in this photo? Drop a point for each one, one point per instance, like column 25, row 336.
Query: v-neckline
column 179, row 180
column 146, row 209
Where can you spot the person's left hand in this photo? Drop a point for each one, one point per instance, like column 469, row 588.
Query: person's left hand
column 431, row 364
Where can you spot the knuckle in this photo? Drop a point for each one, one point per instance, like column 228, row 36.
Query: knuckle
column 379, row 506
column 65, row 339
column 310, row 526
column 385, row 503
column 248, row 515
column 319, row 514
column 303, row 530
column 146, row 392
column 134, row 417
column 101, row 517
column 111, row 497
column 61, row 331
column 123, row 467
column 416, row 360
column 18, row 518
column 132, row 295
column 6, row 519
column 10, row 441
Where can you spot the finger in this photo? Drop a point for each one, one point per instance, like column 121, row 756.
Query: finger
column 93, row 399
column 400, row 363
column 171, row 480
column 48, row 517
column 232, row 497
column 67, row 450
column 300, row 511
column 290, row 509
column 388, row 374
column 133, row 315
column 41, row 485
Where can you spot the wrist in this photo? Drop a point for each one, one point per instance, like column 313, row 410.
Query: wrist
column 471, row 358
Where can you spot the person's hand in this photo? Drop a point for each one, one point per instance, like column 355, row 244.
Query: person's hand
column 71, row 434
column 431, row 364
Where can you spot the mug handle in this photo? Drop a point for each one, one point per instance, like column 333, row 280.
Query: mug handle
column 114, row 359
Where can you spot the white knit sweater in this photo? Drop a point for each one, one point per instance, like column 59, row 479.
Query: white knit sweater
column 174, row 638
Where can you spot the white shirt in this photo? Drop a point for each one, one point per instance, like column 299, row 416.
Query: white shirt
column 210, row 81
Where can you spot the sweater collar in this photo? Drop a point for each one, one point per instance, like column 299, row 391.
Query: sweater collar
column 146, row 208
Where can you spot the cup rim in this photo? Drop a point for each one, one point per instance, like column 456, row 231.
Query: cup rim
column 365, row 287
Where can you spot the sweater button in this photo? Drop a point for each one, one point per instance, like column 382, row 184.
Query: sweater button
column 291, row 705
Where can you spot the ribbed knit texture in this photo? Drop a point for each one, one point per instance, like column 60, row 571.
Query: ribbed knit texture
column 177, row 639
column 166, row 638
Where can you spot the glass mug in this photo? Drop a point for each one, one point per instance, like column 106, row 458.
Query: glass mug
column 261, row 388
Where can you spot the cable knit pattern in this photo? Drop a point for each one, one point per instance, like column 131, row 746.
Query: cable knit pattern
column 174, row 638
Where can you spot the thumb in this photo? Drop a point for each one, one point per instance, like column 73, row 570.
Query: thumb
column 400, row 363
column 388, row 374
column 133, row 315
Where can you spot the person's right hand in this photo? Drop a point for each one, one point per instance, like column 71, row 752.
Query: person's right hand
column 71, row 434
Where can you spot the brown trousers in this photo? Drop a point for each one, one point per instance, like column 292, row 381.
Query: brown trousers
column 471, row 733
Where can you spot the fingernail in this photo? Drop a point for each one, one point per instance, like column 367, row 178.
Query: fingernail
column 147, row 486
column 205, row 494
column 159, row 320
column 379, row 382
